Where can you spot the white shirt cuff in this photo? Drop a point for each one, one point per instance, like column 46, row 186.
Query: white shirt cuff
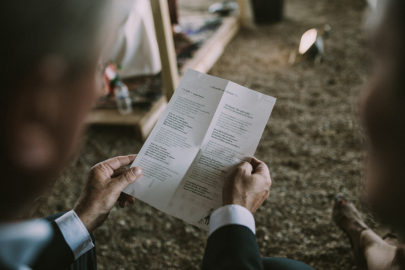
column 75, row 233
column 231, row 214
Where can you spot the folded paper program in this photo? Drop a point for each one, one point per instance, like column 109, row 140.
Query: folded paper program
column 209, row 125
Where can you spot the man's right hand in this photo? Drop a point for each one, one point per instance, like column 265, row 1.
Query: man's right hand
column 248, row 185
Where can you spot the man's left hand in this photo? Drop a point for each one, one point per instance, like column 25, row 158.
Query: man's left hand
column 106, row 181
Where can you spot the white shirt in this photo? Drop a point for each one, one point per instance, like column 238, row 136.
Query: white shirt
column 231, row 214
column 20, row 242
column 75, row 233
column 79, row 240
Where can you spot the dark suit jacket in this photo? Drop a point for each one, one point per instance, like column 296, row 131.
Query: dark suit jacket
column 57, row 254
column 232, row 247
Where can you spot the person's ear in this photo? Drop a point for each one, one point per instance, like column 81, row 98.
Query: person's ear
column 34, row 148
column 35, row 144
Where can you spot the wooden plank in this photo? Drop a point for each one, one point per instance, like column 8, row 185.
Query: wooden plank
column 170, row 73
column 242, row 12
column 205, row 57
column 245, row 13
column 143, row 119
column 149, row 119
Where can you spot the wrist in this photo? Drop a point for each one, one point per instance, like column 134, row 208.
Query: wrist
column 239, row 202
column 85, row 218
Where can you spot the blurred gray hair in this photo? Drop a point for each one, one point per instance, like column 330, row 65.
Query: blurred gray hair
column 33, row 29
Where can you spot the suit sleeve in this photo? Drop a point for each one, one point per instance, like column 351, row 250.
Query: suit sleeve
column 232, row 247
column 57, row 254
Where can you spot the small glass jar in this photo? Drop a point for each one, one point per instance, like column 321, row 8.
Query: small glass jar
column 122, row 97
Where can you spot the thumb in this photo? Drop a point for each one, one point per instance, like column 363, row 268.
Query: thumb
column 126, row 178
column 259, row 167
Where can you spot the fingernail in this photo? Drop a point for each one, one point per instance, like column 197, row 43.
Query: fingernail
column 137, row 171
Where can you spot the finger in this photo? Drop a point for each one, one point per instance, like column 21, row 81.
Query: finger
column 119, row 171
column 117, row 162
column 121, row 198
column 259, row 167
column 110, row 165
column 126, row 198
column 130, row 176
column 131, row 200
column 245, row 168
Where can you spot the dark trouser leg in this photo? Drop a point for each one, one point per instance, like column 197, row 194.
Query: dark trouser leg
column 88, row 261
column 284, row 264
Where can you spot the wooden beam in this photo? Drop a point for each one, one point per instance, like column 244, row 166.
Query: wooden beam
column 170, row 73
column 242, row 12
column 143, row 119
column 206, row 56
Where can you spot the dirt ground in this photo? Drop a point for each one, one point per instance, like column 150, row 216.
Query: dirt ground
column 313, row 145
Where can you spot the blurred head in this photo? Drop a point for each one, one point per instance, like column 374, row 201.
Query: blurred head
column 384, row 118
column 50, row 51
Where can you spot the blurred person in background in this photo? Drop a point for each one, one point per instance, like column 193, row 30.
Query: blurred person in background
column 383, row 111
column 49, row 77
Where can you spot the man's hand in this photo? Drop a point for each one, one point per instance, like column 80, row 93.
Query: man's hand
column 106, row 181
column 248, row 185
